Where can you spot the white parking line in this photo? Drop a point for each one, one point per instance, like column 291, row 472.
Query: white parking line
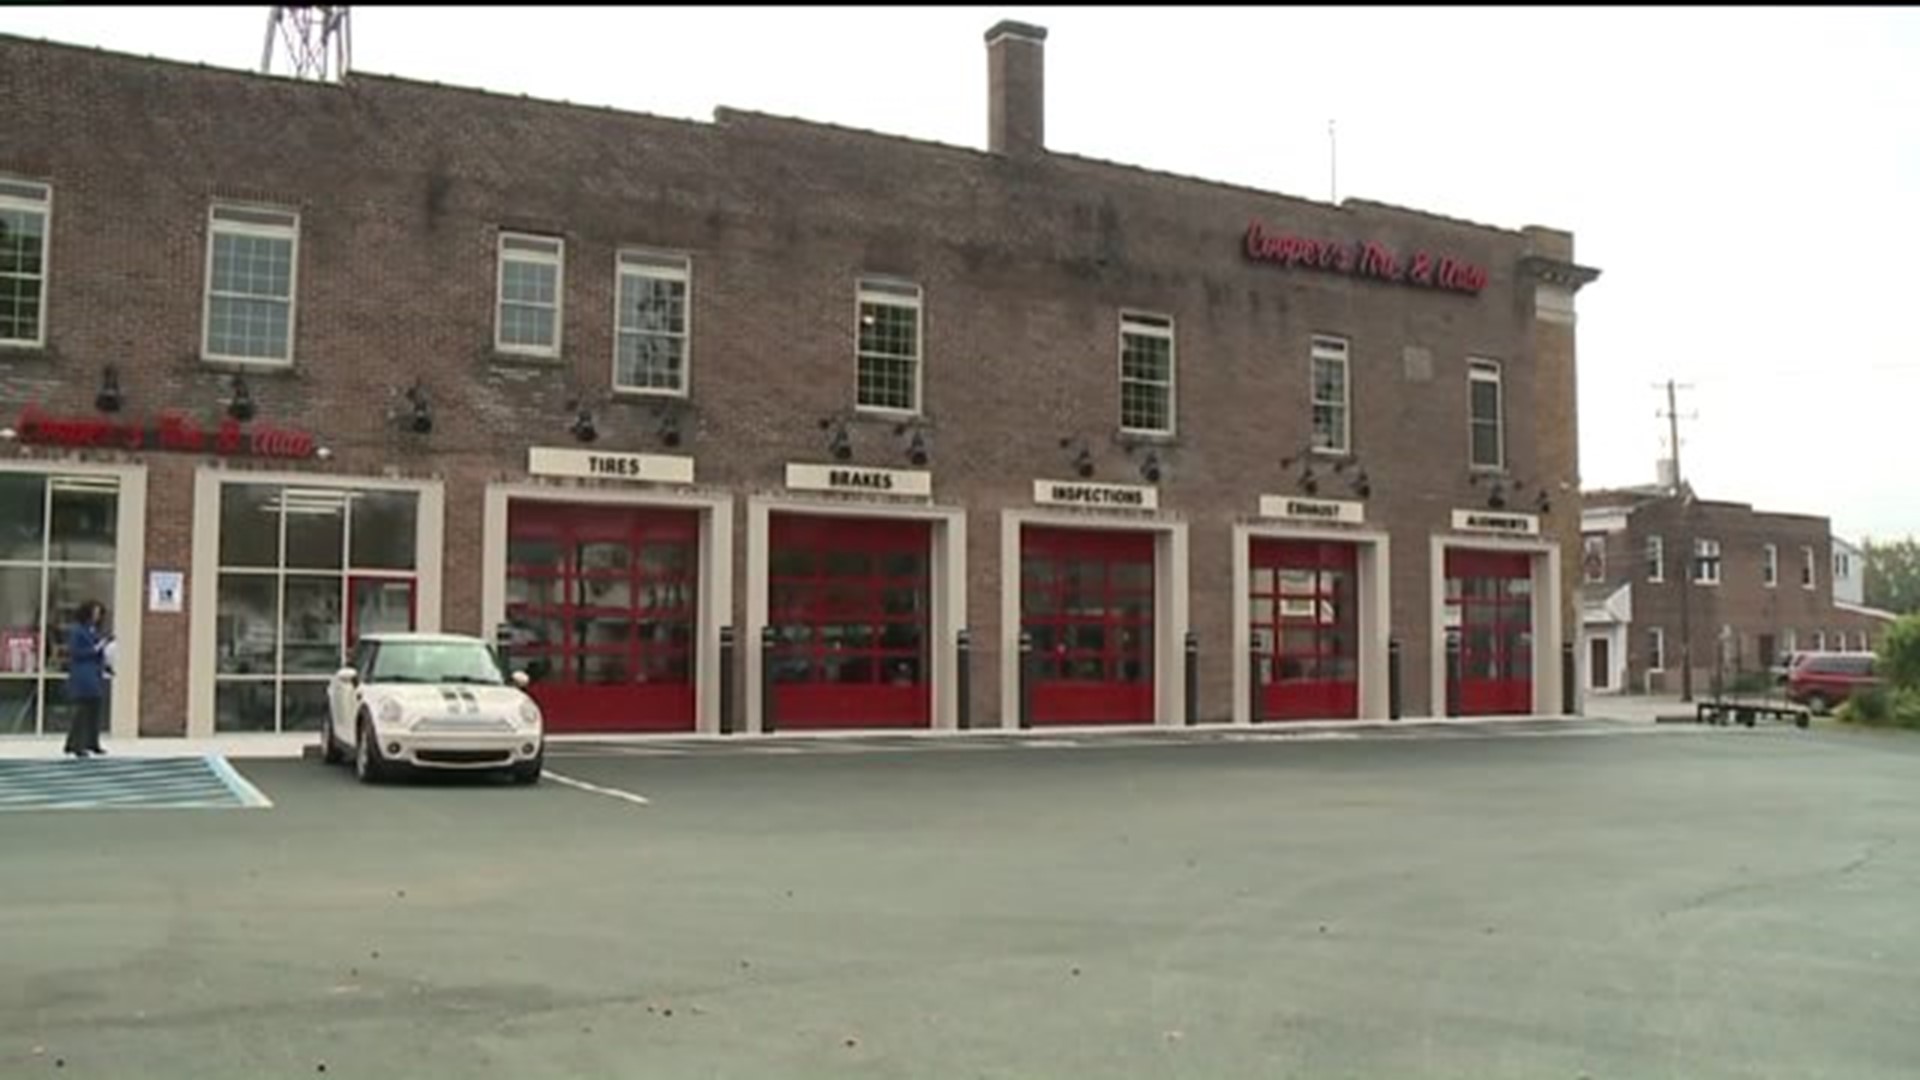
column 612, row 793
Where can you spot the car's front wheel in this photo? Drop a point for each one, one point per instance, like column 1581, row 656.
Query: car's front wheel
column 368, row 765
column 528, row 772
column 1818, row 703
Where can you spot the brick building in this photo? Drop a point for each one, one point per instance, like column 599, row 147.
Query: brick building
column 1763, row 584
column 284, row 362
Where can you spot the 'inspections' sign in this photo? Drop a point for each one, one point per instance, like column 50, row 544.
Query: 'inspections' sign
column 1097, row 496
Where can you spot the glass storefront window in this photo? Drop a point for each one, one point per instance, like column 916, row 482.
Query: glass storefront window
column 58, row 544
column 303, row 571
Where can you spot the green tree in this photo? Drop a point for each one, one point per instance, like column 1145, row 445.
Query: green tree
column 1892, row 575
column 1899, row 660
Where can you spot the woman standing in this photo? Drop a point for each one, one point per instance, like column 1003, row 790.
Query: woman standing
column 86, row 681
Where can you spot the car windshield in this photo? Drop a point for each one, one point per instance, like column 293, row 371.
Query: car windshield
column 434, row 662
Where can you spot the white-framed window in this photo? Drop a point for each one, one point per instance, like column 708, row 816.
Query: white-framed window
column 60, row 548
column 1656, row 649
column 888, row 353
column 1146, row 373
column 1819, row 641
column 26, row 223
column 1842, row 566
column 1770, row 565
column 303, row 572
column 1806, row 568
column 1485, row 429
column 1706, row 562
column 1860, row 642
column 1656, row 560
column 1593, row 558
column 652, row 323
column 531, row 304
column 253, row 272
column 1332, row 396
column 1790, row 641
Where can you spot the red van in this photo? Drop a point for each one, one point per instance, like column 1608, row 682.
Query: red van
column 1822, row 680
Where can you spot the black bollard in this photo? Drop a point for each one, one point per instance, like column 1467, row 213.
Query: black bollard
column 1566, row 678
column 767, row 637
column 1193, row 678
column 1026, row 679
column 963, row 670
column 1394, row 700
column 1454, row 674
column 727, row 650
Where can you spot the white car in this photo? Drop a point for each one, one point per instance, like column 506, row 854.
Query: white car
column 436, row 701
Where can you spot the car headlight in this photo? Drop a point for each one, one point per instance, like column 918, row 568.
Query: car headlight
column 529, row 714
column 390, row 711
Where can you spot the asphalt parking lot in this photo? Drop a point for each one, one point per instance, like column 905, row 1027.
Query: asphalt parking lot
column 1701, row 904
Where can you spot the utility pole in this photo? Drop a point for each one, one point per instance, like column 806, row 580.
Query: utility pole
column 1684, row 495
column 1333, row 166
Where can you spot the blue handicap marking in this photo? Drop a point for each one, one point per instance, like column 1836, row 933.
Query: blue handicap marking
column 178, row 783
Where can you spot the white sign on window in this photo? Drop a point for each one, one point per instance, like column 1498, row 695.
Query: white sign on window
column 166, row 592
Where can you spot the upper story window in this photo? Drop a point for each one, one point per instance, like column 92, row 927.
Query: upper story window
column 1806, row 568
column 532, row 283
column 1706, row 562
column 889, row 354
column 1332, row 429
column 1842, row 566
column 1484, row 408
column 1770, row 565
column 1593, row 558
column 26, row 211
column 651, row 333
column 1146, row 373
column 253, row 261
column 1656, row 560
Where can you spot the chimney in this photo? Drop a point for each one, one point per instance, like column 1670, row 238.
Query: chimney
column 1016, row 89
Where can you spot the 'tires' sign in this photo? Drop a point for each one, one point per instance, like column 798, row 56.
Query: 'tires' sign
column 1364, row 259
column 170, row 432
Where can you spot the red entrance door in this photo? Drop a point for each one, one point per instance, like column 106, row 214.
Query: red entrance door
column 1490, row 602
column 1087, row 599
column 847, row 598
column 1305, row 629
column 601, row 602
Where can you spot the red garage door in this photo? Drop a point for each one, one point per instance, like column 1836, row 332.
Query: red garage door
column 1087, row 599
column 601, row 601
column 1305, row 626
column 1490, row 601
column 847, row 599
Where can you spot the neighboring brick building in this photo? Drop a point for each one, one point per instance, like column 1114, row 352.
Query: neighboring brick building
column 1762, row 586
column 619, row 382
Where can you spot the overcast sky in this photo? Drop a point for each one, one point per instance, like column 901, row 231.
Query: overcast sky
column 1748, row 180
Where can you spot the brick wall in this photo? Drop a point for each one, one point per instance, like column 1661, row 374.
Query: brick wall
column 1025, row 262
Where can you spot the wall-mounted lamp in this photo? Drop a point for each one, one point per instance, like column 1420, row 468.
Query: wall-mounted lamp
column 1343, row 468
column 108, row 399
column 582, row 426
column 1082, row 457
column 1150, row 466
column 1503, row 491
column 917, row 453
column 419, row 412
column 239, row 398
column 839, row 443
column 324, row 453
column 670, row 429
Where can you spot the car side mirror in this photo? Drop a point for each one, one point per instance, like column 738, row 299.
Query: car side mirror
column 347, row 675
column 520, row 679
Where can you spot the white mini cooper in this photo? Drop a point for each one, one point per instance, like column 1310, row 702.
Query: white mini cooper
column 437, row 701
